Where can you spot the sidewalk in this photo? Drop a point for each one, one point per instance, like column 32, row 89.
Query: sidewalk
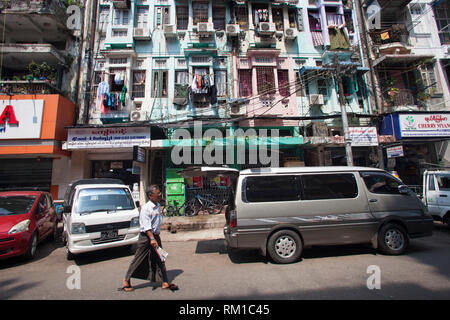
column 201, row 227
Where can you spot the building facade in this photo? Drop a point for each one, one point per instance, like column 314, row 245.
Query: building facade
column 38, row 73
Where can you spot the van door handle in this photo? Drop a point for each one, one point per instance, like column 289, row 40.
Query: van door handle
column 373, row 200
column 443, row 195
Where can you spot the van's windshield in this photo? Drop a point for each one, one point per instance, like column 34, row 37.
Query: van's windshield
column 104, row 199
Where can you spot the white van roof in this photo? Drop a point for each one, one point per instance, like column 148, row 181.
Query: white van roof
column 286, row 170
column 96, row 186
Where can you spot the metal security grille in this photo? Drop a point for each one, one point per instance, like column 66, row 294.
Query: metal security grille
column 26, row 174
column 245, row 83
column 266, row 80
column 283, row 83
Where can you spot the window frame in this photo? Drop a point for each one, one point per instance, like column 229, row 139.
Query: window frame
column 247, row 179
column 304, row 193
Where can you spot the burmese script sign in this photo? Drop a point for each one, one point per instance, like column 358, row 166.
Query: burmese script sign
column 120, row 137
column 425, row 125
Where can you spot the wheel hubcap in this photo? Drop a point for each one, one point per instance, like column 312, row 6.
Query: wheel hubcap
column 394, row 239
column 285, row 246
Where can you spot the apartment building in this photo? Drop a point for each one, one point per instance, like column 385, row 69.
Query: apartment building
column 38, row 71
column 409, row 50
column 254, row 66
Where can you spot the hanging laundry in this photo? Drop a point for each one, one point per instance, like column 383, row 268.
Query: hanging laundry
column 122, row 95
column 103, row 87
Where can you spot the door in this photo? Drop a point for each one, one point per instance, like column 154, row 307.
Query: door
column 41, row 217
column 443, row 192
column 385, row 198
column 432, row 195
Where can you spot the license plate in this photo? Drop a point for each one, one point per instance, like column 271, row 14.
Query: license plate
column 110, row 234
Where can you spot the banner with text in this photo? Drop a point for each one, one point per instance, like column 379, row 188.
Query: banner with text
column 120, row 137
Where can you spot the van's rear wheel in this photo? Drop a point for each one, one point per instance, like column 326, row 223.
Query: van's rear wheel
column 285, row 246
column 393, row 239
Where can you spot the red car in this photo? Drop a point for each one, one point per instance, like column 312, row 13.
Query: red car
column 26, row 218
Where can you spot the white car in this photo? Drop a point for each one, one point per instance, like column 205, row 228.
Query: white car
column 99, row 216
column 436, row 194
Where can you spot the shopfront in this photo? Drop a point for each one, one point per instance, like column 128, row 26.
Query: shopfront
column 119, row 152
column 32, row 128
column 421, row 140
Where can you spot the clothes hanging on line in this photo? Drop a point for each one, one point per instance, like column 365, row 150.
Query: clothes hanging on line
column 103, row 88
column 200, row 84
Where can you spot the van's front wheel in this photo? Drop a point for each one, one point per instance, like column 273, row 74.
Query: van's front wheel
column 285, row 246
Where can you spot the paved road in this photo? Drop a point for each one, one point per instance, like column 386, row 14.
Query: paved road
column 206, row 270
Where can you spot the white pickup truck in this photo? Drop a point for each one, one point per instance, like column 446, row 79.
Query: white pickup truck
column 436, row 194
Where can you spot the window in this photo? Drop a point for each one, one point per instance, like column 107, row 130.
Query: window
column 220, row 80
column 219, row 18
column 141, row 17
column 380, row 183
column 241, row 13
column 333, row 18
column 349, row 21
column 283, row 83
column 200, row 12
column 182, row 17
column 329, row 186
column 162, row 16
column 102, row 199
column 314, row 20
column 260, row 13
column 429, row 77
column 322, row 87
column 245, row 83
column 292, row 16
column 116, row 79
column 160, row 82
column 271, row 188
column 181, row 84
column 442, row 16
column 265, row 80
column 103, row 17
column 443, row 182
column 121, row 17
column 139, row 84
column 277, row 16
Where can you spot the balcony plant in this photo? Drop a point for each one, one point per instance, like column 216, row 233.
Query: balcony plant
column 41, row 71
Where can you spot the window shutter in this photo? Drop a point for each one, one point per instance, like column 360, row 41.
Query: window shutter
column 300, row 19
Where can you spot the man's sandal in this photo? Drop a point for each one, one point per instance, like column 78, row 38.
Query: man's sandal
column 126, row 288
column 172, row 287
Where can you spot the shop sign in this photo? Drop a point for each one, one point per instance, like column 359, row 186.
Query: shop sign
column 21, row 119
column 363, row 136
column 424, row 125
column 394, row 152
column 118, row 137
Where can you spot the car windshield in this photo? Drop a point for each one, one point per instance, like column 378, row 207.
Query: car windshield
column 104, row 199
column 10, row 205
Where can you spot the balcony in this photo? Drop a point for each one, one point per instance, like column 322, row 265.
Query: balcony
column 29, row 20
column 393, row 40
column 18, row 56
column 397, row 100
column 12, row 87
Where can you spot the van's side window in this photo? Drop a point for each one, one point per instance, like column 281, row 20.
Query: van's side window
column 380, row 183
column 329, row 186
column 272, row 188
column 431, row 186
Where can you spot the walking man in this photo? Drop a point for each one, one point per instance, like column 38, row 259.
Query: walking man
column 150, row 220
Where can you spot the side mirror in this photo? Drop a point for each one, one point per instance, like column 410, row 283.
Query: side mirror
column 137, row 203
column 402, row 189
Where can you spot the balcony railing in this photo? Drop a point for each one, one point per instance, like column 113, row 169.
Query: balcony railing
column 399, row 98
column 13, row 87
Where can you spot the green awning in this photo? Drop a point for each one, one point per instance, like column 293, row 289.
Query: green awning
column 250, row 142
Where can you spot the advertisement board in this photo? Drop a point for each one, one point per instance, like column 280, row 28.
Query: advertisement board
column 117, row 137
column 21, row 119
column 424, row 125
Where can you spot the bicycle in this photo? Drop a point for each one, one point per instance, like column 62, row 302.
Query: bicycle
column 175, row 210
column 201, row 203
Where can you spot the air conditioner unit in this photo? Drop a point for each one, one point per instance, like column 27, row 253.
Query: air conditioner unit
column 141, row 34
column 316, row 99
column 205, row 28
column 266, row 28
column 232, row 30
column 138, row 115
column 170, row 30
column 237, row 110
column 290, row 33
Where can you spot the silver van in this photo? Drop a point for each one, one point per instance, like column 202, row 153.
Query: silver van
column 282, row 210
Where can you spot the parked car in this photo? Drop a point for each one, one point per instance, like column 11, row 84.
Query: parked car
column 282, row 210
column 99, row 216
column 26, row 219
